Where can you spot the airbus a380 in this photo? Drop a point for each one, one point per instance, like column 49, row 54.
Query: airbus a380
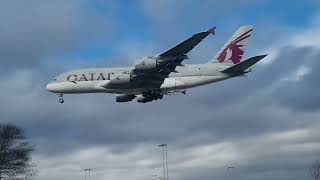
column 156, row 76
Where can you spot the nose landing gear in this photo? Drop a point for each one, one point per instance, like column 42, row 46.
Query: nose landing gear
column 61, row 100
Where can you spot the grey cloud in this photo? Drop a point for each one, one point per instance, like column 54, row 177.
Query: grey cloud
column 212, row 114
column 227, row 112
column 302, row 95
column 260, row 157
column 262, row 77
column 34, row 31
column 174, row 21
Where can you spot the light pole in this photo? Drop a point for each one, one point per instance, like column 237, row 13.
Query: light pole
column 164, row 148
column 167, row 161
column 85, row 174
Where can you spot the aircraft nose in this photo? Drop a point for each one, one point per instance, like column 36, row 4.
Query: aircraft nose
column 53, row 87
column 49, row 87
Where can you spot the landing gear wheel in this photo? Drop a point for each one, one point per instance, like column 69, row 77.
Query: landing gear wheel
column 61, row 98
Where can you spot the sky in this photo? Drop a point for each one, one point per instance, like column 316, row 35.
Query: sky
column 266, row 124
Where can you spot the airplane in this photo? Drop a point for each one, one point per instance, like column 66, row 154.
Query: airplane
column 163, row 74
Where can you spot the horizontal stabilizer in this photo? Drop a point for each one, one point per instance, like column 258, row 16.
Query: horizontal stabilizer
column 242, row 66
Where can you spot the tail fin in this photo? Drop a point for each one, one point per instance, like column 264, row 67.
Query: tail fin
column 234, row 48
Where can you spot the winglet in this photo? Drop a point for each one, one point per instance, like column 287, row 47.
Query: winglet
column 212, row 30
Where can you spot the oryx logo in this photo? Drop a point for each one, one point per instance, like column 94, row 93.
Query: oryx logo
column 234, row 51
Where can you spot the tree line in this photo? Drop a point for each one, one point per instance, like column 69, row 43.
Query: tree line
column 15, row 158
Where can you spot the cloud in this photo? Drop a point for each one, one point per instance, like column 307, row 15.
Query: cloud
column 261, row 157
column 173, row 21
column 34, row 31
column 264, row 124
column 228, row 122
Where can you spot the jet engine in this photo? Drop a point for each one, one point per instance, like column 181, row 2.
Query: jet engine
column 119, row 81
column 124, row 97
column 147, row 65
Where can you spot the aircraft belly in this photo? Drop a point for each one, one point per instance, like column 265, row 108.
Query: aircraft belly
column 170, row 84
column 61, row 87
column 178, row 83
column 73, row 87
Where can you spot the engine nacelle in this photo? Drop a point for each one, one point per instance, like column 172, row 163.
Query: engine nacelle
column 147, row 65
column 119, row 81
column 124, row 97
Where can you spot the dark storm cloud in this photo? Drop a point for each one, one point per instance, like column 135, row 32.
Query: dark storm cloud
column 243, row 107
column 302, row 95
column 262, row 77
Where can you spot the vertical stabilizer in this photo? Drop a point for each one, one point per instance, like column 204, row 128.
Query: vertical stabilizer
column 234, row 48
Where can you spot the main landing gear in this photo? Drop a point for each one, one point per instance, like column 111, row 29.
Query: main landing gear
column 153, row 95
column 61, row 100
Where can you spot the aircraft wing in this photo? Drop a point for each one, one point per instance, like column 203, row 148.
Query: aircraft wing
column 152, row 72
column 184, row 47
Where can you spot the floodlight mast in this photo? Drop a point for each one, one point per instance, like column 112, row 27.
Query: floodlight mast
column 85, row 174
column 164, row 148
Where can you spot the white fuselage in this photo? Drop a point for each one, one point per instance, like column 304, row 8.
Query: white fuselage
column 94, row 80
